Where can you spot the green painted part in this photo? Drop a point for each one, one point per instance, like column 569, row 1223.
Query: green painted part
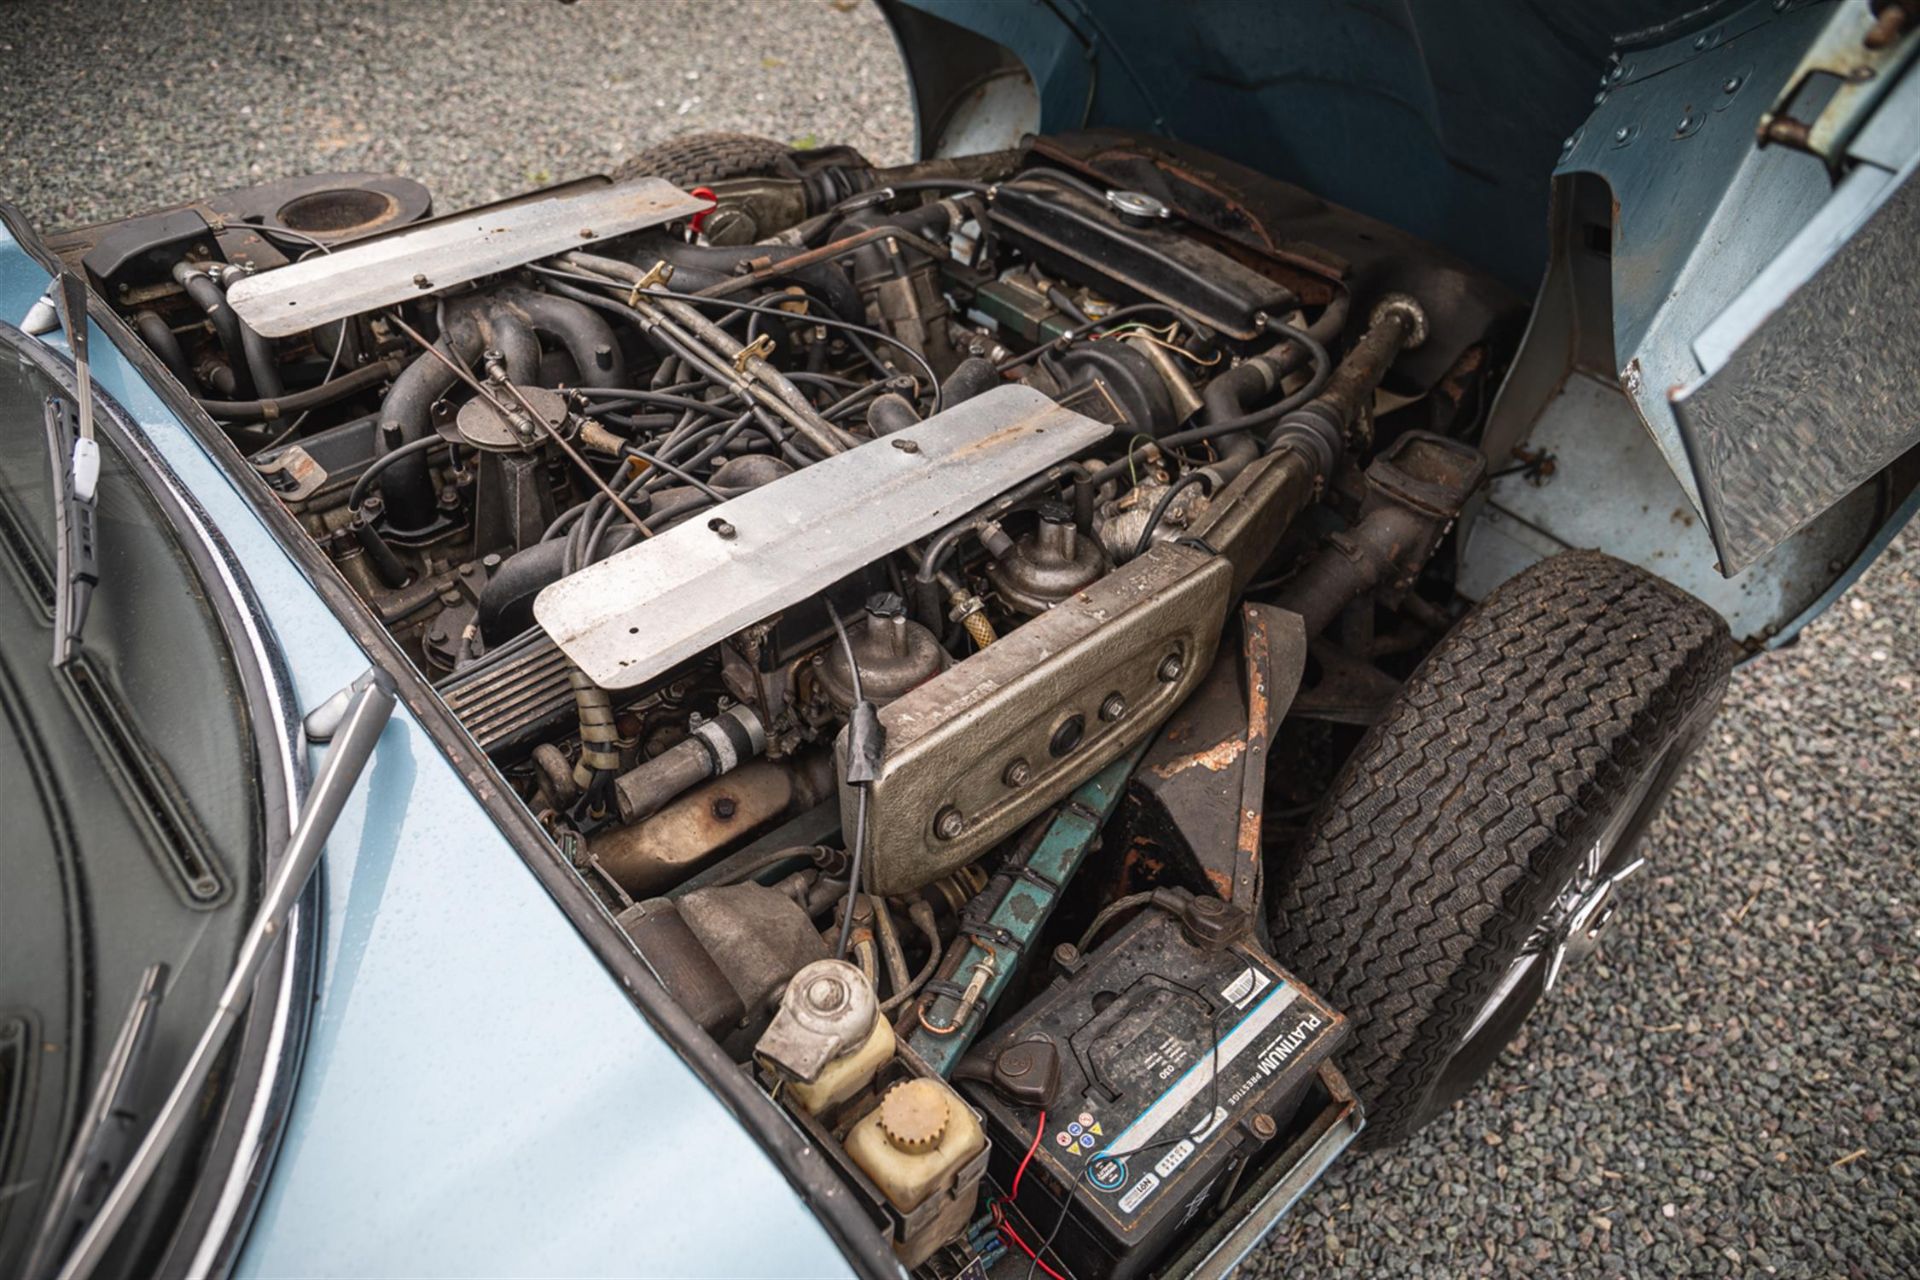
column 1024, row 911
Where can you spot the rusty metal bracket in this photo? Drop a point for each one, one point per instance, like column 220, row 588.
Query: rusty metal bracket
column 1199, row 796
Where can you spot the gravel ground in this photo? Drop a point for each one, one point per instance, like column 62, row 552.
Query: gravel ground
column 1727, row 1091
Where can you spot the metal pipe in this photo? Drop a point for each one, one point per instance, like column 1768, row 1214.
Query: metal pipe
column 715, row 746
column 786, row 399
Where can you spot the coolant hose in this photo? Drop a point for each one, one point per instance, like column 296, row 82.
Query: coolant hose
column 206, row 295
column 155, row 333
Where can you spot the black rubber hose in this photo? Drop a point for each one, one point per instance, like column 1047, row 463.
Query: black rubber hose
column 260, row 363
column 364, row 378
column 698, row 267
column 155, row 333
column 1322, row 369
column 206, row 295
column 1226, row 398
column 890, row 413
column 386, row 462
column 969, row 378
column 505, row 607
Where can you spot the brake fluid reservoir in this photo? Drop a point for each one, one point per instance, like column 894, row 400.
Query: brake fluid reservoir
column 847, row 1074
column 921, row 1143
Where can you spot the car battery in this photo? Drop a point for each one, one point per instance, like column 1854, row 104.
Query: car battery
column 1167, row 1061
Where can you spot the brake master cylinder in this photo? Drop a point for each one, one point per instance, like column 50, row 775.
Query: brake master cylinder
column 828, row 1039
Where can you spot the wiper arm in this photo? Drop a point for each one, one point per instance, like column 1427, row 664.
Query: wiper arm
column 75, row 458
column 106, row 1131
column 351, row 747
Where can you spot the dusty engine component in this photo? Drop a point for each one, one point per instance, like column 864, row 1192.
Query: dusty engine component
column 979, row 750
column 1414, row 492
column 1141, row 255
column 726, row 953
column 714, row 747
column 685, row 835
column 893, row 653
column 1049, row 564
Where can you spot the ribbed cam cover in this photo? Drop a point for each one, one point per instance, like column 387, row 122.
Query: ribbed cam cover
column 639, row 613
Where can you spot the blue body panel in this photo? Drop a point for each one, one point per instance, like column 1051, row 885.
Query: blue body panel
column 478, row 1096
column 1403, row 109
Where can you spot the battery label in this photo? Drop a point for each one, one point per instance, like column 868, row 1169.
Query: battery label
column 1274, row 1030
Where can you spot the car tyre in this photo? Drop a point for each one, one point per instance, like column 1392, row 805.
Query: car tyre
column 699, row 158
column 1474, row 842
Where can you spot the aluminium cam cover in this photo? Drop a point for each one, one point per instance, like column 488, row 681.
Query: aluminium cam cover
column 449, row 251
column 643, row 611
column 992, row 742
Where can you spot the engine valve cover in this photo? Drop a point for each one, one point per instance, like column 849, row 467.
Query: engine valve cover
column 985, row 746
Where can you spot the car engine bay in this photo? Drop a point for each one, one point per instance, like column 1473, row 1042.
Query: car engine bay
column 919, row 603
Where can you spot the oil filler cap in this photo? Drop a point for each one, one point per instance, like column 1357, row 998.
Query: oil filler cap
column 914, row 1115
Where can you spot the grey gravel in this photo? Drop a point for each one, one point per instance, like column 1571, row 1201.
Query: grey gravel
column 1728, row 1090
column 111, row 108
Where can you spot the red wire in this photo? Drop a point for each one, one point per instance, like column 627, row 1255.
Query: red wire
column 1039, row 1132
column 1007, row 1229
column 1013, row 1193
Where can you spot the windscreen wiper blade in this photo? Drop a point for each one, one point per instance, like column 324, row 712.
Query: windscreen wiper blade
column 351, row 747
column 75, row 458
column 107, row 1132
column 76, row 570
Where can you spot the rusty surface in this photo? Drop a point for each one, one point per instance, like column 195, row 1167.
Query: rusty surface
column 647, row 857
column 1195, row 808
column 1274, row 651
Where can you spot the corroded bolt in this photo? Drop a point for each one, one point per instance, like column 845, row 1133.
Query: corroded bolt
column 724, row 808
